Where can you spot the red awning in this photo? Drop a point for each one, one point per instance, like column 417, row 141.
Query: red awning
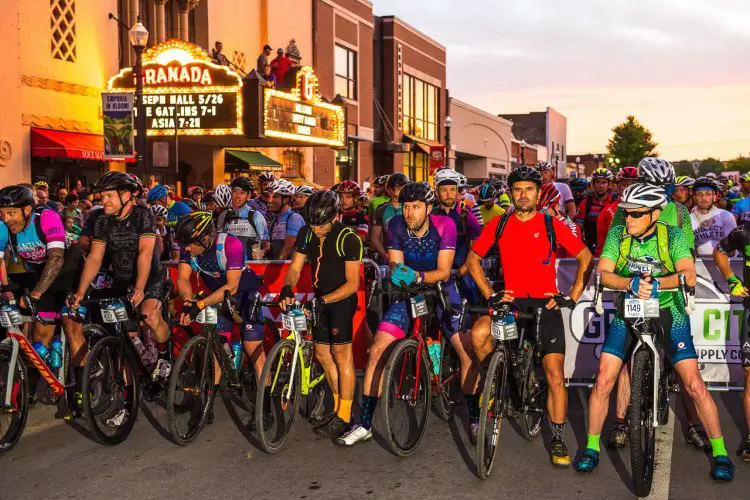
column 56, row 143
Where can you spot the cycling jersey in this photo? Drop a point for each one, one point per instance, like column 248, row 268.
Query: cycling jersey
column 31, row 244
column 566, row 195
column 711, row 228
column 285, row 224
column 375, row 203
column 668, row 215
column 175, row 211
column 357, row 220
column 588, row 213
column 261, row 206
column 524, row 248
column 328, row 262
column 490, row 213
column 467, row 230
column 208, row 264
column 741, row 210
column 238, row 223
column 384, row 213
column 561, row 252
column 421, row 254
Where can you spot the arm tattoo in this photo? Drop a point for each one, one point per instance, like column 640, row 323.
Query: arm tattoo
column 55, row 257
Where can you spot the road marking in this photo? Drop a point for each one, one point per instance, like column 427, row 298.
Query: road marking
column 663, row 460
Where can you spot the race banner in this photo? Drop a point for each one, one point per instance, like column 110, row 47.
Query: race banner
column 716, row 326
column 117, row 113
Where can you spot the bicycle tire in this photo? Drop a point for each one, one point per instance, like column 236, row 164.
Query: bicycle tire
column 407, row 348
column 116, row 397
column 642, row 435
column 534, row 399
column 316, row 396
column 188, row 355
column 16, row 420
column 491, row 411
column 94, row 333
column 278, row 360
column 450, row 366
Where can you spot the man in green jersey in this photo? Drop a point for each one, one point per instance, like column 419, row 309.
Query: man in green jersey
column 386, row 212
column 379, row 196
column 641, row 257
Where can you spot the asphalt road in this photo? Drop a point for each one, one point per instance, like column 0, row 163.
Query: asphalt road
column 54, row 460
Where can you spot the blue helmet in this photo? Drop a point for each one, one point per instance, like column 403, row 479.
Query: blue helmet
column 487, row 192
column 157, row 193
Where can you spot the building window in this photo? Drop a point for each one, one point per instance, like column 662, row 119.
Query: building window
column 345, row 64
column 415, row 166
column 421, row 108
column 346, row 162
column 63, row 26
column 292, row 162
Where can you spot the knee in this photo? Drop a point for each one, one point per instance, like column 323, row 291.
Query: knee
column 153, row 318
column 604, row 384
column 343, row 356
column 555, row 379
column 695, row 388
column 323, row 354
column 480, row 331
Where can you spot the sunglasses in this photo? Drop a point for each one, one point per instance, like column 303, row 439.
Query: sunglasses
column 637, row 215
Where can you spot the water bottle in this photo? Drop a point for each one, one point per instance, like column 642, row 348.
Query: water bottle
column 55, row 355
column 237, row 355
column 42, row 351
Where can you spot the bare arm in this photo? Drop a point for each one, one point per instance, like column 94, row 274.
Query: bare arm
column 474, row 264
column 295, row 269
column 92, row 266
column 351, row 269
column 609, row 278
column 684, row 266
column 232, row 284
column 376, row 241
column 722, row 262
column 288, row 247
column 145, row 254
column 184, row 288
column 55, row 258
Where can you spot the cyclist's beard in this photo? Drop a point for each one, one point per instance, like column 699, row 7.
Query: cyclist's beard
column 416, row 226
column 524, row 205
column 448, row 203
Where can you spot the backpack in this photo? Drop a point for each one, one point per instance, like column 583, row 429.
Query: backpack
column 662, row 244
column 548, row 224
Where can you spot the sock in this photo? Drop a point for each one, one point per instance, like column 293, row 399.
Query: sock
column 368, row 408
column 472, row 403
column 593, row 442
column 336, row 402
column 717, row 446
column 344, row 411
column 558, row 430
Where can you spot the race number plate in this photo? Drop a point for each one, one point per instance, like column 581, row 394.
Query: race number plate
column 114, row 312
column 418, row 306
column 294, row 322
column 639, row 308
column 505, row 328
column 208, row 316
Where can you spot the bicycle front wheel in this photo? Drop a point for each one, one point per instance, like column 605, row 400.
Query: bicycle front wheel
column 491, row 413
column 642, row 434
column 406, row 398
column 13, row 417
column 277, row 404
column 190, row 393
column 534, row 398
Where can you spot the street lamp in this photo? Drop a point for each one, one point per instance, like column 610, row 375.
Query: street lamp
column 523, row 152
column 447, row 124
column 138, row 36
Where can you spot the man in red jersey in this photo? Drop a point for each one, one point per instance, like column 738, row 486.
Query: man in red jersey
column 626, row 177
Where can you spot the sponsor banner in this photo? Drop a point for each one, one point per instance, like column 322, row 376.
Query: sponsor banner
column 716, row 326
column 117, row 113
column 437, row 158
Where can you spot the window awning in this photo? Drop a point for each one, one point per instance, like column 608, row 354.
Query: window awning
column 255, row 160
column 422, row 144
column 59, row 144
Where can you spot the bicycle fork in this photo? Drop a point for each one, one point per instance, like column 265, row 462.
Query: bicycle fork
column 11, row 369
column 297, row 344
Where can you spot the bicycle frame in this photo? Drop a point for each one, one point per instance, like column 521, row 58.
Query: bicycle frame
column 417, row 334
column 305, row 384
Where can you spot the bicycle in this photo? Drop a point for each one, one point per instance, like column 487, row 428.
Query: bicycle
column 290, row 372
column 15, row 350
column 650, row 383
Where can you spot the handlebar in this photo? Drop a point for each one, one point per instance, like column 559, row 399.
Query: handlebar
column 688, row 293
column 485, row 310
column 405, row 290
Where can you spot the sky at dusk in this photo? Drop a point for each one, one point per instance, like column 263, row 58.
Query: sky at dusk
column 682, row 67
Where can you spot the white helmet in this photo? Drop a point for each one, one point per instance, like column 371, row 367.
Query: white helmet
column 223, row 196
column 642, row 195
column 446, row 175
column 304, row 190
column 159, row 211
column 656, row 171
column 281, row 187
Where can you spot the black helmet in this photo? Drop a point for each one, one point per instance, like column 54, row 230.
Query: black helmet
column 524, row 173
column 416, row 191
column 705, row 183
column 487, row 192
column 16, row 197
column 116, row 181
column 397, row 180
column 193, row 227
column 321, row 207
column 243, row 183
column 192, row 204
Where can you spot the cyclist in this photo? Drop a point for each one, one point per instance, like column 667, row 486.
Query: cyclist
column 210, row 201
column 386, row 212
column 421, row 247
column 627, row 177
column 567, row 202
column 159, row 195
column 531, row 282
column 195, row 193
column 166, row 244
column 644, row 255
column 578, row 187
column 301, row 194
column 489, row 208
column 380, row 196
column 683, row 191
column 42, row 195
column 741, row 208
column 592, row 205
column 239, row 219
column 335, row 255
column 286, row 222
column 710, row 223
column 350, row 215
column 503, row 196
column 35, row 242
column 260, row 204
column 126, row 232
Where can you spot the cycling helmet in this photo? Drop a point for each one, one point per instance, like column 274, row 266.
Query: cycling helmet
column 642, row 195
column 321, row 207
column 266, row 177
column 487, row 192
column 16, row 197
column 745, row 177
column 525, row 173
column 684, row 181
column 363, row 197
column 192, row 204
column 549, row 196
column 347, row 187
column 397, row 180
column 602, row 173
column 304, row 190
column 281, row 187
column 712, row 175
column 544, row 165
column 501, row 187
column 656, row 171
column 705, row 183
column 157, row 193
column 578, row 184
column 380, row 180
column 193, row 227
column 116, row 181
column 209, row 196
column 193, row 189
column 243, row 183
column 159, row 211
column 417, row 191
column 223, row 196
column 446, row 175
column 41, row 185
column 627, row 173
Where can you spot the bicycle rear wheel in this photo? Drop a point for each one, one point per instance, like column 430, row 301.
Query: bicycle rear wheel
column 406, row 398
column 491, row 413
column 534, row 399
column 449, row 379
column 190, row 392
column 12, row 418
column 111, row 391
column 275, row 406
column 642, row 434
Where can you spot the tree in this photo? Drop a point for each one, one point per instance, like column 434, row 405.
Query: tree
column 741, row 163
column 631, row 142
column 711, row 165
column 684, row 167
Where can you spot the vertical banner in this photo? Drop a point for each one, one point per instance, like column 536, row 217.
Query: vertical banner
column 437, row 158
column 117, row 112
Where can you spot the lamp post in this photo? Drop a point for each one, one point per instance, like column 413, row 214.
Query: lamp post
column 447, row 124
column 556, row 163
column 578, row 166
column 523, row 152
column 138, row 36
